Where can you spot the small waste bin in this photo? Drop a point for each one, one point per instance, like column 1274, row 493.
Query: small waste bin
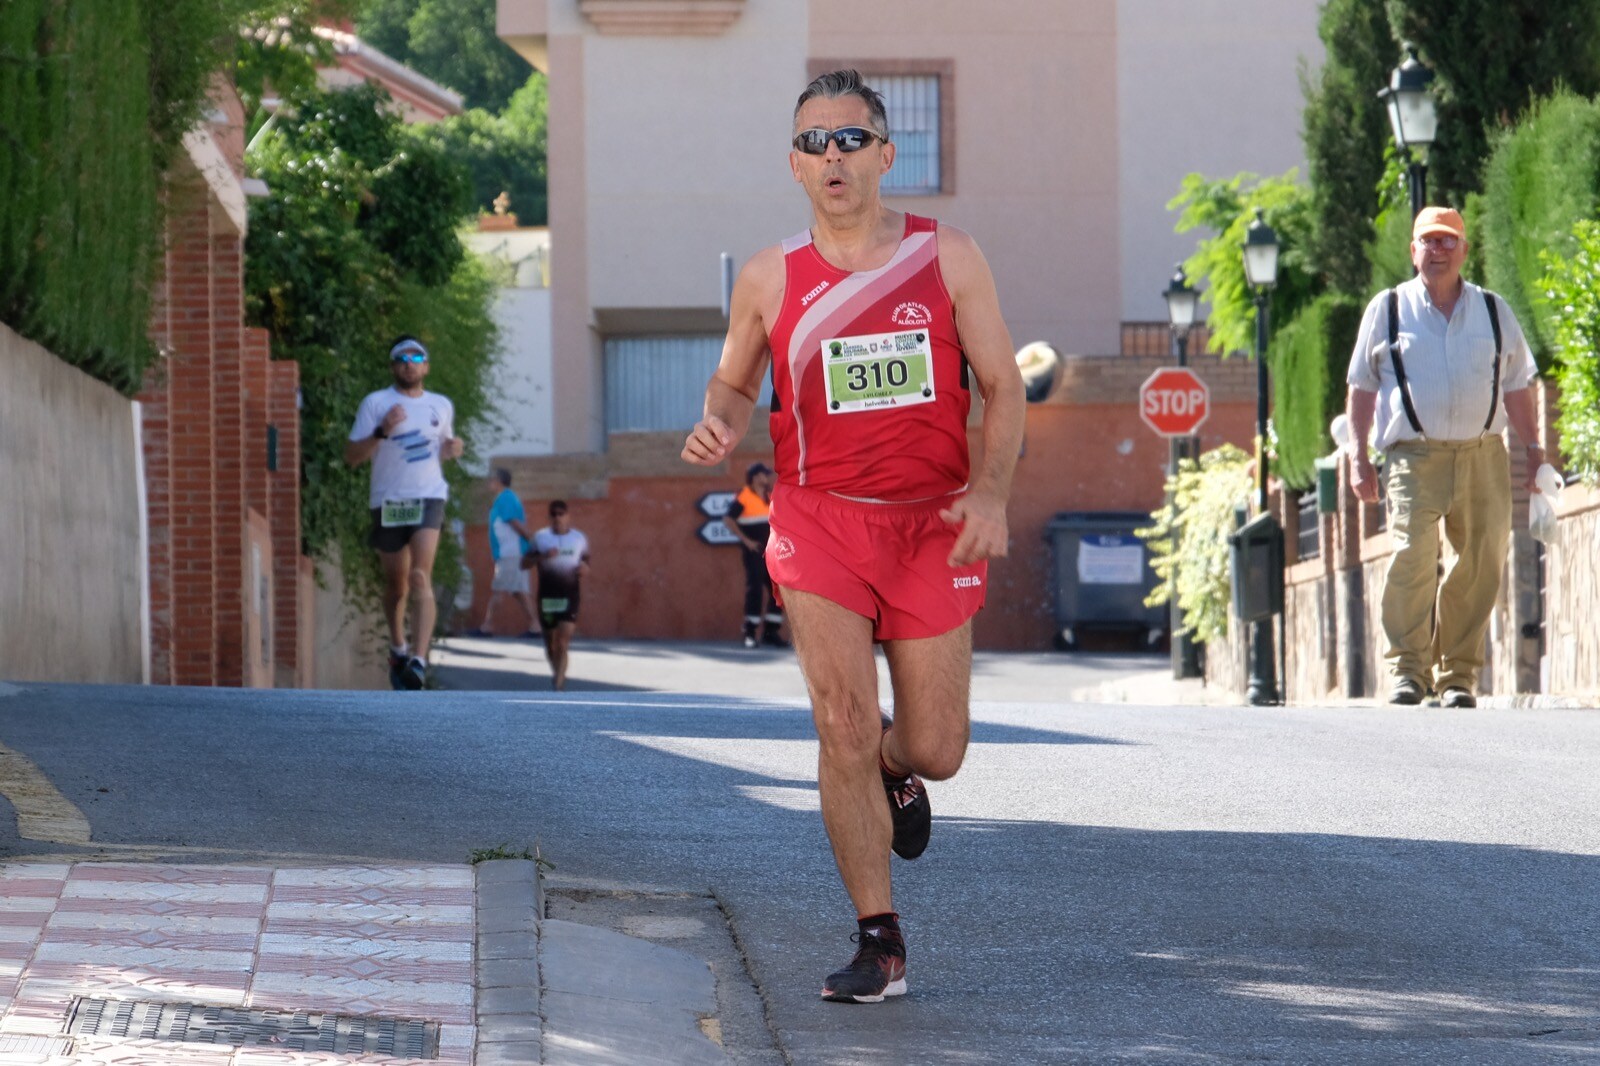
column 1258, row 568
column 1102, row 576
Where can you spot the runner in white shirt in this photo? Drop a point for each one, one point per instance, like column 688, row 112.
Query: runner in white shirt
column 563, row 557
column 407, row 432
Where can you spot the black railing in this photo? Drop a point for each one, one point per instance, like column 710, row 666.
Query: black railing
column 1308, row 528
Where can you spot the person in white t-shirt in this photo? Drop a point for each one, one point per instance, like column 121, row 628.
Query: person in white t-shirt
column 562, row 555
column 407, row 432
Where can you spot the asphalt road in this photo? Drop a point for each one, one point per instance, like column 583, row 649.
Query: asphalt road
column 1106, row 883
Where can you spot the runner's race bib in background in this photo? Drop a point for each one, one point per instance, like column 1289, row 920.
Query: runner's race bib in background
column 401, row 513
column 553, row 606
column 877, row 371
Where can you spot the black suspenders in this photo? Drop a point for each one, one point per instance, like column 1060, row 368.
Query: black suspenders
column 1492, row 304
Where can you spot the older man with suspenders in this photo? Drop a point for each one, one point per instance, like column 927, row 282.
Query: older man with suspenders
column 1444, row 366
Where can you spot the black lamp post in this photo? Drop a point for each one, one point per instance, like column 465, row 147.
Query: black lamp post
column 1261, row 271
column 1181, row 300
column 1414, row 119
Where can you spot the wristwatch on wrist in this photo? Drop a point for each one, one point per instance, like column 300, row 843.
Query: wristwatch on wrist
column 379, row 434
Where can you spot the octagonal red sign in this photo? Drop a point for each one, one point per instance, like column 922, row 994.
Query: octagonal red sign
column 1174, row 401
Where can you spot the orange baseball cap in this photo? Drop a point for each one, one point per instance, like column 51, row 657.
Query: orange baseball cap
column 1439, row 220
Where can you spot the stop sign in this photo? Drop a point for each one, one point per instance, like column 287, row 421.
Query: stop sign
column 1174, row 401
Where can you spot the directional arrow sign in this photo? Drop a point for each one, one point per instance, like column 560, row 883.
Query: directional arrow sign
column 1174, row 401
column 714, row 532
column 715, row 504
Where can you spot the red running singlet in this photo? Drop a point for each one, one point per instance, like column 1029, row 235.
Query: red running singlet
column 869, row 383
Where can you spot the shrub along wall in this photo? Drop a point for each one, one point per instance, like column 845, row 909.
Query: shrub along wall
column 1543, row 176
column 1308, row 359
column 94, row 100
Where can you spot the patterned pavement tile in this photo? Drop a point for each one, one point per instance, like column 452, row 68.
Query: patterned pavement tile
column 395, row 941
column 429, row 877
column 152, row 873
column 348, row 995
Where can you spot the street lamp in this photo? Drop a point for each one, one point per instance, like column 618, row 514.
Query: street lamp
column 1181, row 302
column 1413, row 118
column 1261, row 271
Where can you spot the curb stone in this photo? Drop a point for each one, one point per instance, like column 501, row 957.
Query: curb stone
column 567, row 994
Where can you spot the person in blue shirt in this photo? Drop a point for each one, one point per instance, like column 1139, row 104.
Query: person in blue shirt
column 508, row 541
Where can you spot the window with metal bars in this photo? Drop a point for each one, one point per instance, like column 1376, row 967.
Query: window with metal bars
column 912, row 102
column 659, row 382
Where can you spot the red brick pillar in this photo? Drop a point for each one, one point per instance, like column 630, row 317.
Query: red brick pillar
column 257, row 353
column 229, row 433
column 283, row 492
column 194, row 468
column 157, row 407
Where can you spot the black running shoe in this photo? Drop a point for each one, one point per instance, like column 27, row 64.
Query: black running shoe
column 909, row 810
column 878, row 969
column 415, row 675
column 397, row 668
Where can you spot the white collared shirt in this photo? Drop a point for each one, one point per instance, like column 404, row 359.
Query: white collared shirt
column 1449, row 364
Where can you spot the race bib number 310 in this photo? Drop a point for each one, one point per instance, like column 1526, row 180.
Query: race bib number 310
column 881, row 370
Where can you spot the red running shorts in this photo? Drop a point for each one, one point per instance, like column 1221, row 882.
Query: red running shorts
column 883, row 561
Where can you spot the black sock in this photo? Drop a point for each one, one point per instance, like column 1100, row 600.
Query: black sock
column 888, row 920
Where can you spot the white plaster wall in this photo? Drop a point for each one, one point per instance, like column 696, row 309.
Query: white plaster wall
column 522, row 390
column 72, row 604
column 1202, row 85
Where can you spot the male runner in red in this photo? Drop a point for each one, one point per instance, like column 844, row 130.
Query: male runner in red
column 878, row 323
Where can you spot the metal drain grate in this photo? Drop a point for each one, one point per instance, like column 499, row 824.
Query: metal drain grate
column 200, row 1023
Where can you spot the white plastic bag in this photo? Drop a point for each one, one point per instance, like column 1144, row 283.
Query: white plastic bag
column 1542, row 504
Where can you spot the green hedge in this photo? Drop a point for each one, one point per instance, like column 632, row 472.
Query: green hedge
column 1571, row 288
column 79, row 173
column 1309, row 356
column 1542, row 177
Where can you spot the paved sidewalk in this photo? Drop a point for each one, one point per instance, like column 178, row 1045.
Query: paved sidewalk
column 104, row 963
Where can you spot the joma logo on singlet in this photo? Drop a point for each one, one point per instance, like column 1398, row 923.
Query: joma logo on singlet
column 814, row 293
column 969, row 582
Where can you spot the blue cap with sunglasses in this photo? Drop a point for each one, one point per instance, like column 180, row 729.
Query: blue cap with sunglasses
column 408, row 350
column 848, row 138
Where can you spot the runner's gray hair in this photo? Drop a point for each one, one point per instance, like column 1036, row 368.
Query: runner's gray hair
column 837, row 83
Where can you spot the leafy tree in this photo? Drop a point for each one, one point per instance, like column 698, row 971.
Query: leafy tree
column 502, row 153
column 1226, row 207
column 451, row 41
column 1346, row 130
column 356, row 244
column 1493, row 58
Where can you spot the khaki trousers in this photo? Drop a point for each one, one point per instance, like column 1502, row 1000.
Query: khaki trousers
column 1435, row 630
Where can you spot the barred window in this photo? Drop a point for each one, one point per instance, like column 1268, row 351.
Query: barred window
column 912, row 102
column 659, row 382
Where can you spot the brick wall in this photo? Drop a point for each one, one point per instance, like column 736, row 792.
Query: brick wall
column 1086, row 449
column 208, row 404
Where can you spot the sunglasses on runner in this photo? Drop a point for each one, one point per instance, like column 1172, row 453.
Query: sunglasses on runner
column 409, row 358
column 848, row 138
